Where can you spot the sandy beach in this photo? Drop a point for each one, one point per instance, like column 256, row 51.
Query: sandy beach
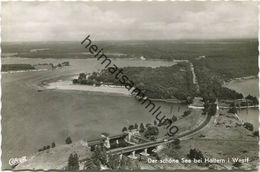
column 68, row 85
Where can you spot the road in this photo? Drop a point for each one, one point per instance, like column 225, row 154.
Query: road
column 156, row 143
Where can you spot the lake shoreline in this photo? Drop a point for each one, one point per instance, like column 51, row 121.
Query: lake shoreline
column 67, row 85
column 240, row 79
column 233, row 84
column 247, row 85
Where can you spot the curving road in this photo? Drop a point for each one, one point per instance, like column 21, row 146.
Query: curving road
column 156, row 143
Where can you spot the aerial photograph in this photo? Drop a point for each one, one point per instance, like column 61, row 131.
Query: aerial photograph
column 110, row 85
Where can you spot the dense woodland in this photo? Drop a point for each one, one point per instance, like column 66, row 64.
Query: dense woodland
column 227, row 58
column 221, row 60
column 167, row 82
column 211, row 84
column 162, row 82
column 239, row 52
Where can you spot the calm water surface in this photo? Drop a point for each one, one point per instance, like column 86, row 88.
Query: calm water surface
column 246, row 87
column 32, row 119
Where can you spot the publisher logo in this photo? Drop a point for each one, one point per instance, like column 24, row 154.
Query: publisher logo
column 16, row 161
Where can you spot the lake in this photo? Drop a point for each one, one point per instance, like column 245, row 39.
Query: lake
column 246, row 87
column 33, row 119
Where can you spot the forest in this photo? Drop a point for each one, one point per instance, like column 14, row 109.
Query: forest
column 162, row 82
column 227, row 58
column 167, row 82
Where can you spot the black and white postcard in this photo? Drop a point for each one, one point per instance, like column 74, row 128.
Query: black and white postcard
column 132, row 85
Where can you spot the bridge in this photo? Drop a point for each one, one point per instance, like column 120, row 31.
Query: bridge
column 224, row 107
column 152, row 144
column 236, row 102
column 239, row 107
column 148, row 145
column 133, row 148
